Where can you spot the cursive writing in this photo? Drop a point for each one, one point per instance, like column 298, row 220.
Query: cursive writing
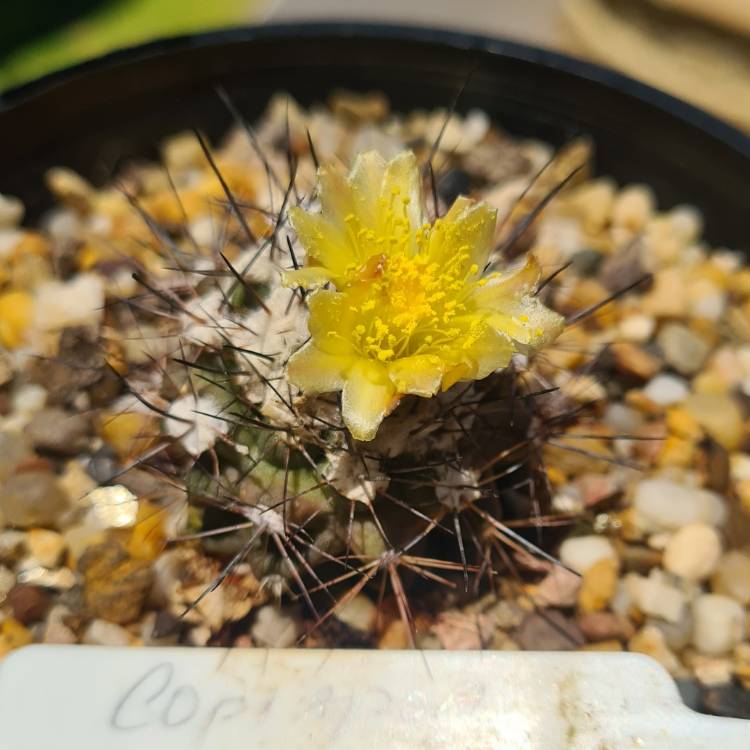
column 156, row 699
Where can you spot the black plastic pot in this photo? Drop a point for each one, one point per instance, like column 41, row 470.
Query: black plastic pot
column 96, row 115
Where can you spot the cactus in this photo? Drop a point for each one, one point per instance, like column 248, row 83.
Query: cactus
column 357, row 393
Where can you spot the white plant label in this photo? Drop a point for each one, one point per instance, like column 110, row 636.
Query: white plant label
column 89, row 698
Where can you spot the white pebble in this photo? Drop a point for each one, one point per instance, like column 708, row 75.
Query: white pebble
column 655, row 597
column 62, row 223
column 274, row 629
column 78, row 302
column 739, row 467
column 683, row 349
column 581, row 552
column 637, row 327
column 732, row 576
column 358, row 613
column 103, row 633
column 666, row 390
column 687, row 222
column 112, row 507
column 11, row 211
column 710, row 306
column 719, row 624
column 633, row 207
column 693, row 552
column 28, row 399
column 663, row 505
column 676, row 634
column 622, row 419
column 712, row 671
column 9, row 239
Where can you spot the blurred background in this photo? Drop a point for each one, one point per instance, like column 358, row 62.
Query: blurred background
column 696, row 49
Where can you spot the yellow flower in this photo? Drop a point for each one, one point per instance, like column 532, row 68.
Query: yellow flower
column 411, row 310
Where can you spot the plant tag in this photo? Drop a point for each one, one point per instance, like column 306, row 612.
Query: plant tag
column 89, row 698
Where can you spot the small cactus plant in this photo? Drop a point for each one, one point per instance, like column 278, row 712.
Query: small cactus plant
column 357, row 400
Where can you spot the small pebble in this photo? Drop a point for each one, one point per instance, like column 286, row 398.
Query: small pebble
column 28, row 603
column 599, row 584
column 56, row 632
column 655, row 597
column 29, row 399
column 633, row 207
column 33, row 498
column 677, row 635
column 13, row 635
column 719, row 624
column 666, row 390
column 58, row 431
column 720, row 416
column 693, row 552
column 559, row 588
column 683, row 349
column 634, row 360
column 637, row 327
column 712, row 671
column 650, row 641
column 622, row 419
column 45, row 546
column 78, row 302
column 739, row 466
column 102, row 633
column 60, row 579
column 507, row 615
column 116, row 585
column 274, row 629
column 687, row 222
column 603, row 626
column 7, row 581
column 732, row 576
column 663, row 505
column 11, row 211
column 549, row 630
column 358, row 613
column 582, row 552
column 13, row 450
column 114, row 507
column 394, row 637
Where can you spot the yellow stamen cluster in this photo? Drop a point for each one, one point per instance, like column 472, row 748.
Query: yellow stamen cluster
column 410, row 310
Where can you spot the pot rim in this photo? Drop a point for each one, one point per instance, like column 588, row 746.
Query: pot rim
column 458, row 40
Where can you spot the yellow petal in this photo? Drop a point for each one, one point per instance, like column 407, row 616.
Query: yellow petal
column 368, row 397
column 335, row 194
column 487, row 352
column 366, row 179
column 402, row 177
column 528, row 322
column 470, row 226
column 324, row 241
column 310, row 277
column 492, row 351
column 457, row 372
column 420, row 374
column 459, row 206
column 499, row 292
column 330, row 321
column 316, row 371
